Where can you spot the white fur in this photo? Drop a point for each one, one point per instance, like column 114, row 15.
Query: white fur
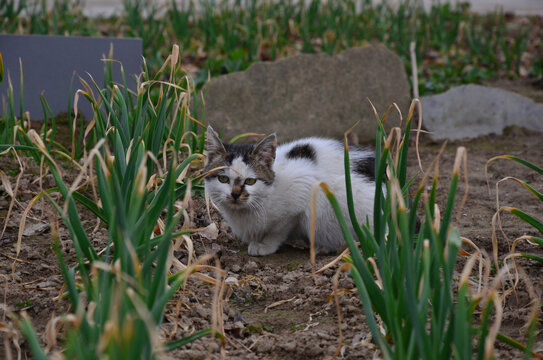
column 280, row 212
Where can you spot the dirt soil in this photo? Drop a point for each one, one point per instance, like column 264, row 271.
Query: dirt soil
column 273, row 308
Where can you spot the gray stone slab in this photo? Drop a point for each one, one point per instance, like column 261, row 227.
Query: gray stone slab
column 310, row 95
column 50, row 61
column 469, row 111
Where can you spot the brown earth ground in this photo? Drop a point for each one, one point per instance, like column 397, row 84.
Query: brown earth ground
column 273, row 309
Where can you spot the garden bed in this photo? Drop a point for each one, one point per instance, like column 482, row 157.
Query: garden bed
column 275, row 309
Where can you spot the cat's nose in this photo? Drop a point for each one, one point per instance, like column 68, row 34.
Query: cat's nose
column 236, row 194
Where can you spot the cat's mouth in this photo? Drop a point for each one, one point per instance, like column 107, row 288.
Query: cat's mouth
column 236, row 203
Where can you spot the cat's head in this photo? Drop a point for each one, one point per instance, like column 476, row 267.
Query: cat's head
column 242, row 174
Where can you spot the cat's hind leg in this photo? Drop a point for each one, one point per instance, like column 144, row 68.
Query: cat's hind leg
column 328, row 235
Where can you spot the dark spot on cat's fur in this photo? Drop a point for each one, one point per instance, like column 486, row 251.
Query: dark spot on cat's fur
column 226, row 155
column 245, row 152
column 238, row 150
column 302, row 151
column 365, row 167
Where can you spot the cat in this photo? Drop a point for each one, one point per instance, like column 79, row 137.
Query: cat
column 263, row 190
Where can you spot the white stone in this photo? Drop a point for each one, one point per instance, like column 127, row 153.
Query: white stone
column 469, row 111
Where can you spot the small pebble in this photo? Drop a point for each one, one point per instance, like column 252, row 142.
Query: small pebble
column 250, row 267
column 230, row 280
column 235, row 268
column 215, row 248
column 238, row 317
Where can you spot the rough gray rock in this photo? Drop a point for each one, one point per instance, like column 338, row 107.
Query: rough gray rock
column 469, row 111
column 310, row 95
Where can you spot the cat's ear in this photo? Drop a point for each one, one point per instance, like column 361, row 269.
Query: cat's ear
column 214, row 145
column 264, row 151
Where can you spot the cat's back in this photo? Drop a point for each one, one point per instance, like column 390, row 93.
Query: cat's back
column 323, row 155
column 307, row 154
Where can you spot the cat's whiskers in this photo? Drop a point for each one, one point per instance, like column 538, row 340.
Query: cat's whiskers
column 258, row 209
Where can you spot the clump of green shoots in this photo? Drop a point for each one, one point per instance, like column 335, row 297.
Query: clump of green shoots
column 15, row 123
column 537, row 224
column 143, row 162
column 405, row 273
column 535, row 240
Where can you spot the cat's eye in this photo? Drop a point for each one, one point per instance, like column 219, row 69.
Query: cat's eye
column 250, row 181
column 223, row 178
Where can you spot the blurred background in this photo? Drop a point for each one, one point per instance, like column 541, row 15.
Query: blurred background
column 520, row 7
column 480, row 41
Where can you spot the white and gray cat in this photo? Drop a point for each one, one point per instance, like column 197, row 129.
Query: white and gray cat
column 263, row 190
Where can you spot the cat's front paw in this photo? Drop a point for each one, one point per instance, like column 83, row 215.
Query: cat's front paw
column 262, row 249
